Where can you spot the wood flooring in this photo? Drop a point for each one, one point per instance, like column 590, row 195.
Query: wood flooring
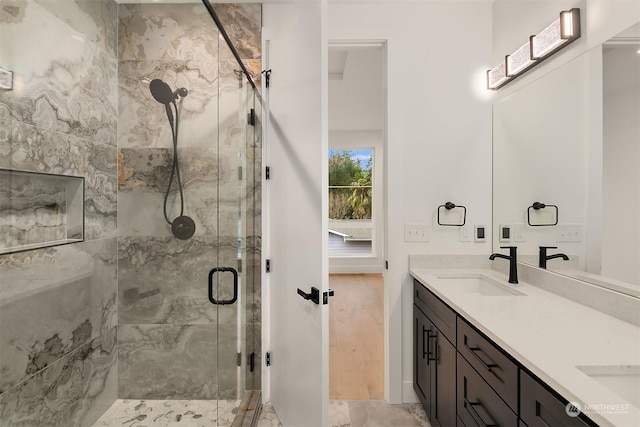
column 356, row 337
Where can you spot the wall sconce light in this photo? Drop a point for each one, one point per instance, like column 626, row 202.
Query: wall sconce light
column 557, row 35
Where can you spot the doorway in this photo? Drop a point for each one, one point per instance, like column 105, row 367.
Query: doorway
column 356, row 337
column 357, row 119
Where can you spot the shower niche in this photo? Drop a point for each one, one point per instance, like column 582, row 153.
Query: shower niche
column 39, row 210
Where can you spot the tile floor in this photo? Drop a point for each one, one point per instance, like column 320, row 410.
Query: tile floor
column 202, row 413
column 169, row 413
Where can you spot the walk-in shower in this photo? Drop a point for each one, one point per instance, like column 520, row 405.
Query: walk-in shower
column 130, row 319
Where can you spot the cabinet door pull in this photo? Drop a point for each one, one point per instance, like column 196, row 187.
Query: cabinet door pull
column 427, row 339
column 435, row 347
column 425, row 331
column 476, row 416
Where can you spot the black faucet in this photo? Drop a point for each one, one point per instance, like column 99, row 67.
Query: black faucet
column 542, row 263
column 513, row 262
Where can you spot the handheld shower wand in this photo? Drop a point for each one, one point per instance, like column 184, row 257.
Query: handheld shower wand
column 183, row 227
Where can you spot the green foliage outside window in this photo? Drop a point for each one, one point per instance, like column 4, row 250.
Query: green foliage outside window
column 350, row 191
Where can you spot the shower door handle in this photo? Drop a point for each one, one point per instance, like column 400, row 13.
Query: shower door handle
column 235, row 285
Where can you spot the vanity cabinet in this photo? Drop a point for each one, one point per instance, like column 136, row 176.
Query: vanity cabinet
column 434, row 358
column 460, row 374
column 540, row 407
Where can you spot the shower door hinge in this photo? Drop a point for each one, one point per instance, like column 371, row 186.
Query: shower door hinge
column 267, row 358
column 267, row 266
column 252, row 117
column 239, row 359
column 267, row 172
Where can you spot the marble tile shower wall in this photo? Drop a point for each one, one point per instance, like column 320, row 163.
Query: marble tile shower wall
column 58, row 305
column 169, row 334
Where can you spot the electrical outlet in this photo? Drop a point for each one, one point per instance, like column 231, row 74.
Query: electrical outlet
column 567, row 233
column 518, row 233
column 465, row 233
column 416, row 232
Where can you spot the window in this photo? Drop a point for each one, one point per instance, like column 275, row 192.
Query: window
column 350, row 202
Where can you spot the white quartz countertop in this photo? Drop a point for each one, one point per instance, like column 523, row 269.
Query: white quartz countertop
column 551, row 336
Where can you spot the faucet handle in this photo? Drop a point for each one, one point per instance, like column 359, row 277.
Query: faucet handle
column 548, row 247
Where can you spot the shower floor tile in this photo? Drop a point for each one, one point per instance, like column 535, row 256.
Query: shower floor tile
column 161, row 413
column 201, row 413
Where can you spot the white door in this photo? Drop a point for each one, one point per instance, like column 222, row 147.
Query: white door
column 297, row 381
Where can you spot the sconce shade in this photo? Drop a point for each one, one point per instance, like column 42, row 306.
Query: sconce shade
column 557, row 35
column 520, row 60
column 497, row 76
column 561, row 32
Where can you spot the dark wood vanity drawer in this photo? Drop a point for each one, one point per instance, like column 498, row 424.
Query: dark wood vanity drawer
column 497, row 369
column 443, row 317
column 478, row 404
column 541, row 408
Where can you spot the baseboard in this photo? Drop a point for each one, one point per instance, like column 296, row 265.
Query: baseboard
column 408, row 394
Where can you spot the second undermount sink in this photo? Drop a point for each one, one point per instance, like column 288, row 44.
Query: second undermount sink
column 622, row 380
column 479, row 284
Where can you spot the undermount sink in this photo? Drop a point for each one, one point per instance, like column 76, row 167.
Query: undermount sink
column 479, row 284
column 622, row 380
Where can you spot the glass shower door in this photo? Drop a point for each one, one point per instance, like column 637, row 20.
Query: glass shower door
column 232, row 280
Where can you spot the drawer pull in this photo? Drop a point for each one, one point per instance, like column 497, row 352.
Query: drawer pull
column 475, row 351
column 476, row 416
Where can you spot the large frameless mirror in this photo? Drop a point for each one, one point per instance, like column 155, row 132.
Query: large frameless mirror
column 554, row 146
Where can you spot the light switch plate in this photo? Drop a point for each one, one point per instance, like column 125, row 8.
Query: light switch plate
column 568, row 233
column 416, row 232
column 480, row 233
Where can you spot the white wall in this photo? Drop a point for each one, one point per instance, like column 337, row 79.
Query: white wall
column 438, row 140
